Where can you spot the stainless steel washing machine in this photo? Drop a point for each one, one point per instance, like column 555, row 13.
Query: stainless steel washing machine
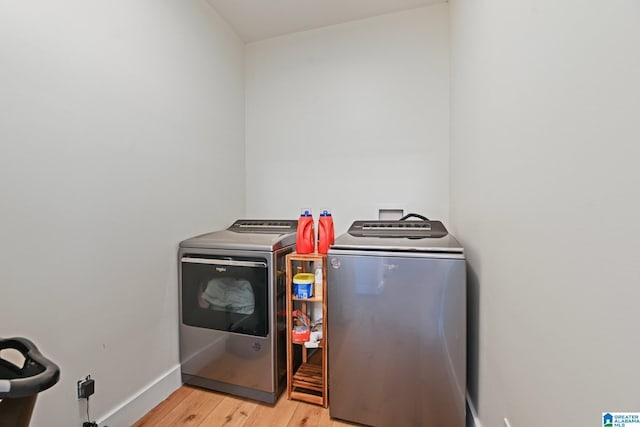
column 232, row 303
column 397, row 325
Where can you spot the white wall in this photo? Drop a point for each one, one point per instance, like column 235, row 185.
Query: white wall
column 352, row 117
column 121, row 133
column 544, row 148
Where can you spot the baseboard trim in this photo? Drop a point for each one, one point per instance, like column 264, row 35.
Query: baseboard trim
column 144, row 400
column 474, row 414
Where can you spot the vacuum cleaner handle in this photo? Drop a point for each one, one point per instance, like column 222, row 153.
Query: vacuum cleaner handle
column 37, row 374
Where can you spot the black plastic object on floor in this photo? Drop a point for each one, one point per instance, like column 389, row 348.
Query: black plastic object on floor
column 20, row 385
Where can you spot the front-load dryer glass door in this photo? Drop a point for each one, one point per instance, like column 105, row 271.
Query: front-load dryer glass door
column 226, row 294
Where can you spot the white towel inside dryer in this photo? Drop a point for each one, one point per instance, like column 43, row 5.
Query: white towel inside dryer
column 230, row 294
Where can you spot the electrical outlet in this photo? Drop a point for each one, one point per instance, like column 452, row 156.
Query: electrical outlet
column 86, row 387
column 506, row 422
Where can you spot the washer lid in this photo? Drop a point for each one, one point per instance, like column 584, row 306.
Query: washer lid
column 249, row 235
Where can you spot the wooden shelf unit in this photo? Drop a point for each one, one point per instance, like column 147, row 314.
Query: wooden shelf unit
column 308, row 380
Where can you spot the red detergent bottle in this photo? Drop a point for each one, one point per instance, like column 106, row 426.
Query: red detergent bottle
column 305, row 236
column 325, row 231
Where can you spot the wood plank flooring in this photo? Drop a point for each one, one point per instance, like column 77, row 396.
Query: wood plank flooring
column 192, row 406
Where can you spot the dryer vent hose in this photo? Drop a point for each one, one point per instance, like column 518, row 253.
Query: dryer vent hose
column 414, row 215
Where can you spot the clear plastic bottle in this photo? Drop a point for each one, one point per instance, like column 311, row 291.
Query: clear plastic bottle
column 318, row 280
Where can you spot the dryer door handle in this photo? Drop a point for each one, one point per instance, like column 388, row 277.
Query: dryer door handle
column 209, row 261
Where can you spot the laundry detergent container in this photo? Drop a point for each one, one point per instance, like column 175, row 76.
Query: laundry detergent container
column 303, row 285
column 20, row 385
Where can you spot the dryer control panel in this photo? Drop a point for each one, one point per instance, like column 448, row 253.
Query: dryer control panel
column 264, row 226
column 398, row 228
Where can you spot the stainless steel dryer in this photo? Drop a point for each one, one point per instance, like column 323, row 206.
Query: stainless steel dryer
column 397, row 325
column 232, row 303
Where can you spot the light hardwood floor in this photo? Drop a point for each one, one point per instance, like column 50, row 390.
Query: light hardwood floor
column 191, row 406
